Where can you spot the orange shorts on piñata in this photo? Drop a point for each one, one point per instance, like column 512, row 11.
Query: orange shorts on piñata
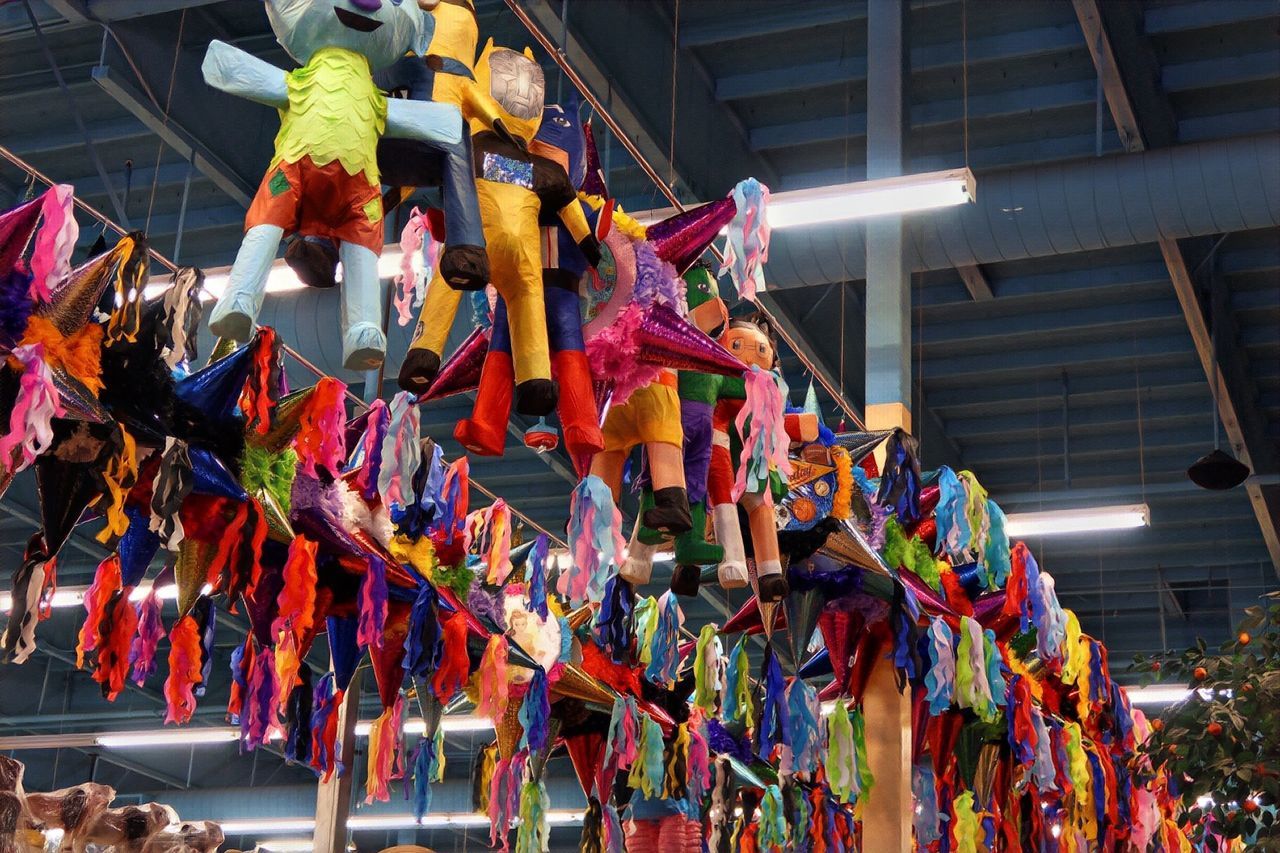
column 319, row 201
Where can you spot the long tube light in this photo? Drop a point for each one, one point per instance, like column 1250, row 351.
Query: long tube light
column 73, row 596
column 174, row 737
column 1086, row 520
column 867, row 199
column 281, row 826
column 456, row 723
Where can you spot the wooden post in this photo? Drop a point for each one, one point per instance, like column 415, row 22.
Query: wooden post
column 886, row 816
column 333, row 797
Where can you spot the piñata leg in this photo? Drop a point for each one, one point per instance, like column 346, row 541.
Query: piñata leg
column 485, row 432
column 422, row 361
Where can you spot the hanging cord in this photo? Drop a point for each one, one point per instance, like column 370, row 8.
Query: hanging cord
column 168, row 103
column 675, row 67
column 964, row 76
column 1142, row 450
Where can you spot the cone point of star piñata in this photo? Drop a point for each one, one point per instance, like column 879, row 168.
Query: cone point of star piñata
column 461, row 370
column 666, row 339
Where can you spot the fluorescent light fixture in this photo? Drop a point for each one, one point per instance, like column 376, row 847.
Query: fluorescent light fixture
column 274, row 826
column 456, row 723
column 288, row 845
column 73, row 596
column 281, row 279
column 67, row 597
column 1156, row 695
column 175, row 737
column 1086, row 520
column 267, row 825
column 865, row 199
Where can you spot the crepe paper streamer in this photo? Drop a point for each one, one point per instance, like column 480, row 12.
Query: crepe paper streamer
column 489, row 531
column 106, row 582
column 320, row 441
column 493, row 681
column 326, row 700
column 997, row 556
column 737, row 696
column 297, row 720
column 773, row 823
column 841, row 758
column 995, row 676
column 925, row 817
column 648, row 769
column 401, row 451
column 373, row 604
column 1049, row 618
column 774, row 727
column 142, row 654
column 800, row 817
column 385, row 753
column 241, row 665
column 940, row 680
column 262, row 387
column 536, row 574
column 54, row 243
column 115, row 632
column 287, row 664
column 366, row 460
column 975, row 510
column 761, row 423
column 296, row 603
column 416, row 242
column 428, row 763
column 912, row 553
column 699, row 758
column 1043, row 771
column 454, row 667
column 664, row 641
column 972, row 688
column 1022, row 732
column 259, row 719
column 534, row 832
column 1078, row 766
column 455, row 495
column 613, row 624
column 174, row 480
column 424, row 644
column 708, row 670
column 646, row 625
column 535, row 710
column 1075, row 653
column 184, row 671
column 966, row 827
column 623, row 743
column 900, row 481
column 746, row 250
column 595, row 532
column 31, row 419
column 504, row 790
column 803, row 714
column 1015, row 587
column 675, row 781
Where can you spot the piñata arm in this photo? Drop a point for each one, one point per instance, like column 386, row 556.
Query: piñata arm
column 235, row 72
column 423, row 120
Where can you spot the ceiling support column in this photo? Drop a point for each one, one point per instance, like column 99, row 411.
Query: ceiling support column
column 886, row 823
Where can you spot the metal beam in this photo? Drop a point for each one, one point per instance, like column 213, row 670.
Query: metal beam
column 1127, row 91
column 175, row 136
column 975, row 282
column 852, row 70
